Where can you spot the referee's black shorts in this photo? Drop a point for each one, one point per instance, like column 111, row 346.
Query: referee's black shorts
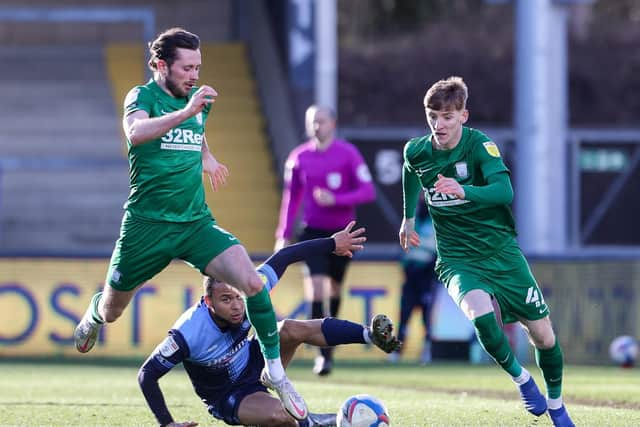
column 330, row 264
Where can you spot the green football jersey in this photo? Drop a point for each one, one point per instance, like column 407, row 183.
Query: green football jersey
column 464, row 229
column 165, row 174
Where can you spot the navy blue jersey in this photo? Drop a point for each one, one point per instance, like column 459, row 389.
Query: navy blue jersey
column 216, row 360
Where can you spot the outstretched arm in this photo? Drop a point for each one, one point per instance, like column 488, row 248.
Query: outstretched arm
column 343, row 243
column 161, row 361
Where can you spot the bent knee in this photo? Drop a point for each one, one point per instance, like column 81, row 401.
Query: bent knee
column 543, row 339
column 284, row 329
column 544, row 343
column 293, row 331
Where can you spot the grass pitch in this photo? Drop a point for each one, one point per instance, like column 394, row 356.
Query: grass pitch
column 441, row 394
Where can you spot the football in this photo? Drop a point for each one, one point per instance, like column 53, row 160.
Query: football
column 624, row 351
column 363, row 410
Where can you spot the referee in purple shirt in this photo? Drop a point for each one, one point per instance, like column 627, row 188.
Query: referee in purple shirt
column 329, row 177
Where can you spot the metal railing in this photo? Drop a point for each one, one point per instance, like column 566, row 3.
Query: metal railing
column 613, row 154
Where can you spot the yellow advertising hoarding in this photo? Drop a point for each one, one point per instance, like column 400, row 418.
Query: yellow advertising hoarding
column 592, row 302
column 41, row 300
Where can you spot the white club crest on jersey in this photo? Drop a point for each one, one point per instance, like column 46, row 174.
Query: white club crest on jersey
column 461, row 170
column 199, row 118
column 334, row 180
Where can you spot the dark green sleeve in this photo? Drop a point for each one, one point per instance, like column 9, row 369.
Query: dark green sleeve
column 138, row 98
column 410, row 190
column 488, row 156
column 498, row 190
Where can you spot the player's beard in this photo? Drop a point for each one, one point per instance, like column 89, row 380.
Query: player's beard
column 173, row 87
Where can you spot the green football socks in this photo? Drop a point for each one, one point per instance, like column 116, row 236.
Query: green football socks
column 495, row 342
column 263, row 318
column 95, row 314
column 550, row 363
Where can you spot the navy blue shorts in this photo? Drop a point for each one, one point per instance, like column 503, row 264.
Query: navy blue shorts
column 226, row 407
column 329, row 264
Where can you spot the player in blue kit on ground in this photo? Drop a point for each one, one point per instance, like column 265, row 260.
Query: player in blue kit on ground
column 225, row 364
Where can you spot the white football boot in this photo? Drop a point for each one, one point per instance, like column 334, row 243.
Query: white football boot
column 291, row 400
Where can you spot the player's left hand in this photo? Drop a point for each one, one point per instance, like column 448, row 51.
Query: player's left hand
column 347, row 241
column 446, row 185
column 324, row 197
column 216, row 171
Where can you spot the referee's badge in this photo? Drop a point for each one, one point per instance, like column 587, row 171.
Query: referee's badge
column 461, row 170
column 334, row 180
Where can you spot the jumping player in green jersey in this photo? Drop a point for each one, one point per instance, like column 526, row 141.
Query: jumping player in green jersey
column 166, row 216
column 468, row 191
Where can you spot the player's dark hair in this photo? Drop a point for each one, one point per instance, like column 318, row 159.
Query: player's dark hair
column 447, row 93
column 165, row 45
column 208, row 283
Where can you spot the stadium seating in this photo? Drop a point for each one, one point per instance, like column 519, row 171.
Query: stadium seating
column 64, row 172
column 63, row 177
column 236, row 133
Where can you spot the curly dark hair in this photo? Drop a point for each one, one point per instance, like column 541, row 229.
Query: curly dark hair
column 165, row 45
column 208, row 283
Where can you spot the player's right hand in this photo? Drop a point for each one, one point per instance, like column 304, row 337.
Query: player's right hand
column 205, row 95
column 408, row 236
column 347, row 241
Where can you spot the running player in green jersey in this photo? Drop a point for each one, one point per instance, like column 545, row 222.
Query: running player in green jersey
column 468, row 191
column 166, row 216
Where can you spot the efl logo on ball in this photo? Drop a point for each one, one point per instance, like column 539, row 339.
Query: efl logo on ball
column 363, row 410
